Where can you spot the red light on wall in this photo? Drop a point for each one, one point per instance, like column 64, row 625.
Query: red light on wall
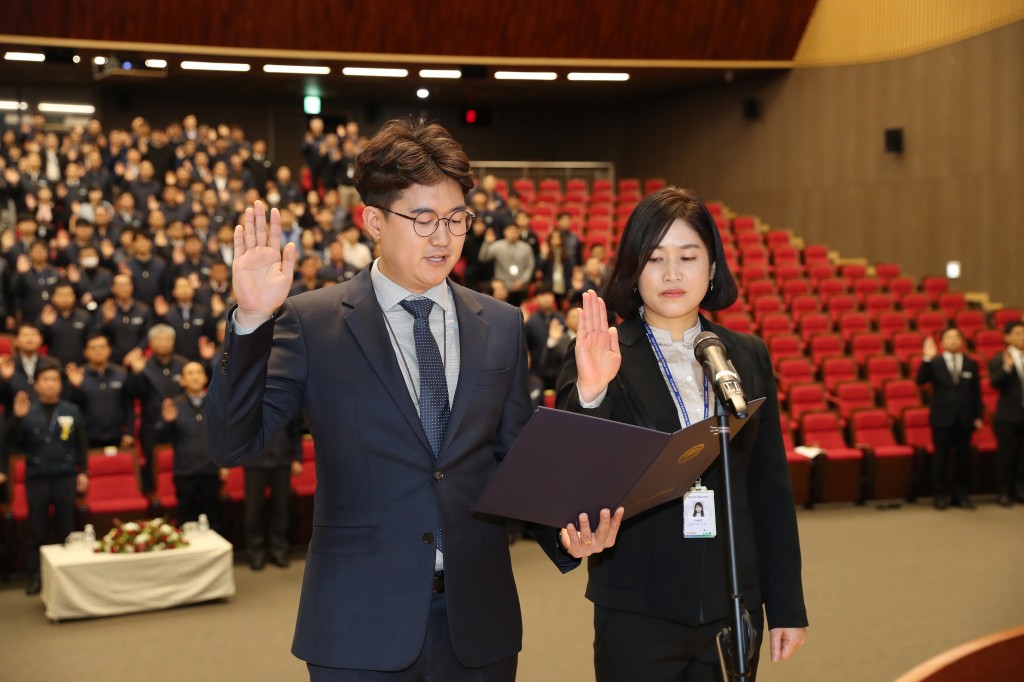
column 470, row 116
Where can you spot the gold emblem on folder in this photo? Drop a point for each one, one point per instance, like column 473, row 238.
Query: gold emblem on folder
column 691, row 453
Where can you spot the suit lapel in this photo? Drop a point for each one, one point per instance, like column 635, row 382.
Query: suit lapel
column 366, row 322
column 645, row 379
column 473, row 331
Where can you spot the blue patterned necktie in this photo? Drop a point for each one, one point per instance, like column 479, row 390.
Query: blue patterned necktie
column 433, row 385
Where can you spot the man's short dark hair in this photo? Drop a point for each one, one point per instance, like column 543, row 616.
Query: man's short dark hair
column 47, row 363
column 645, row 229
column 408, row 152
column 1011, row 325
column 24, row 217
column 92, row 336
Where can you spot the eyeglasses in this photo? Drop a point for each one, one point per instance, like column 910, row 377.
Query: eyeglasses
column 425, row 224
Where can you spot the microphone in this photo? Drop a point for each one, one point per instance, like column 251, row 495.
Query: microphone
column 710, row 353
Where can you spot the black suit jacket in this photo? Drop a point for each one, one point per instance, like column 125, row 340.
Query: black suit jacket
column 1009, row 408
column 380, row 491
column 953, row 404
column 652, row 570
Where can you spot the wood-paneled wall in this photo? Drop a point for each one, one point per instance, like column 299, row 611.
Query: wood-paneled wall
column 580, row 29
column 816, row 161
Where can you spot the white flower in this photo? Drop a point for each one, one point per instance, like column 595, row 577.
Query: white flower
column 142, row 538
column 131, row 527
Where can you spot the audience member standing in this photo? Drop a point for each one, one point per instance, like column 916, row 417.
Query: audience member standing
column 956, row 411
column 124, row 320
column 101, row 390
column 513, row 261
column 1006, row 372
column 272, row 470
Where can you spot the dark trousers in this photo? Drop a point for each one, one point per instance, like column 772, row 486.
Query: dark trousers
column 1010, row 458
column 148, row 439
column 955, row 439
column 41, row 493
column 257, row 480
column 630, row 647
column 198, row 495
column 436, row 662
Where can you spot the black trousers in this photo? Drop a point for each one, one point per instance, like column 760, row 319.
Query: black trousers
column 148, row 439
column 956, row 440
column 199, row 495
column 41, row 493
column 436, row 662
column 1010, row 458
column 257, row 480
column 629, row 647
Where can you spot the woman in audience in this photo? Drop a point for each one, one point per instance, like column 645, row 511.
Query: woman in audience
column 555, row 267
column 661, row 595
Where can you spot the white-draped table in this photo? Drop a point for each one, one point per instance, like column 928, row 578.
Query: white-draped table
column 79, row 583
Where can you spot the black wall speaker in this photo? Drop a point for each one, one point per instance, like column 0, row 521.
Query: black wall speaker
column 751, row 109
column 894, row 140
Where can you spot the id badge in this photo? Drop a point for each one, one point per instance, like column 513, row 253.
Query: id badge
column 699, row 513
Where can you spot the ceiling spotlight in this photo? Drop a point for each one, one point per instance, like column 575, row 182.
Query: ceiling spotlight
column 423, row 93
column 76, row 59
column 156, row 63
column 293, row 68
column 99, row 61
column 57, row 108
column 525, row 75
column 214, row 66
column 368, row 71
column 587, row 76
column 440, row 73
column 25, row 56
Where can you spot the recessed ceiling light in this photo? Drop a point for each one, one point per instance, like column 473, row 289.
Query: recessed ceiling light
column 294, row 68
column 586, row 76
column 440, row 73
column 76, row 59
column 156, row 63
column 423, row 93
column 99, row 61
column 214, row 66
column 369, row 71
column 58, row 108
column 25, row 56
column 525, row 75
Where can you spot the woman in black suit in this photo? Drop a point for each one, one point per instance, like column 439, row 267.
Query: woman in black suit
column 660, row 598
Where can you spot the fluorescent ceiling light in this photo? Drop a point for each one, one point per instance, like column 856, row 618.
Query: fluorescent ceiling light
column 25, row 56
column 525, row 75
column 440, row 73
column 214, row 66
column 156, row 63
column 585, row 76
column 57, row 108
column 368, row 71
column 9, row 105
column 292, row 68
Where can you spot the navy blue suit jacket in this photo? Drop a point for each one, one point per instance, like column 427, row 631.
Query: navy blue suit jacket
column 367, row 587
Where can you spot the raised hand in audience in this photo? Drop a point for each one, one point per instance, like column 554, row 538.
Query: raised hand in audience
column 48, row 315
column 207, row 348
column 75, row 374
column 168, row 410
column 261, row 272
column 6, row 367
column 135, row 360
column 929, row 350
column 21, row 405
column 160, row 307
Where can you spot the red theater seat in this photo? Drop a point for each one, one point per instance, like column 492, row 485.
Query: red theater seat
column 838, row 369
column 879, row 369
column 892, row 473
column 898, row 395
column 114, row 485
column 853, row 395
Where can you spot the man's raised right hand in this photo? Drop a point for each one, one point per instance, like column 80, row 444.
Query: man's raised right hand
column 261, row 272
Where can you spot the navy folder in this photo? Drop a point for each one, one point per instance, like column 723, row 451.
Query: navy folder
column 566, row 463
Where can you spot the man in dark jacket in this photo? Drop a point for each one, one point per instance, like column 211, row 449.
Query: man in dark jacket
column 51, row 433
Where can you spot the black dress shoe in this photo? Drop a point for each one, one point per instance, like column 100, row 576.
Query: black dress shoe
column 34, row 587
column 280, row 560
column 965, row 503
column 1005, row 501
column 258, row 562
column 941, row 503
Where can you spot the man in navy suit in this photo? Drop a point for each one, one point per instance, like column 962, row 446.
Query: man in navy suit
column 956, row 410
column 414, row 389
column 1006, row 372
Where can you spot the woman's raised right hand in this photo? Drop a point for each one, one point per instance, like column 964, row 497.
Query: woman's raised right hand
column 597, row 349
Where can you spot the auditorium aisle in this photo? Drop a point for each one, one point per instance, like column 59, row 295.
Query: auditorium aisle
column 885, row 590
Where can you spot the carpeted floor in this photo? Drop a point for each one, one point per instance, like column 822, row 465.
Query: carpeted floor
column 885, row 590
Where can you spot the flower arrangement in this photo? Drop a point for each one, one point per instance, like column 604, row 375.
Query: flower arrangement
column 142, row 536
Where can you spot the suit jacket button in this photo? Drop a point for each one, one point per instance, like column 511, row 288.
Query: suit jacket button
column 428, row 538
column 438, row 475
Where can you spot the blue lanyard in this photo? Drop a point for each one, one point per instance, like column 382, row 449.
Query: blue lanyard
column 671, row 380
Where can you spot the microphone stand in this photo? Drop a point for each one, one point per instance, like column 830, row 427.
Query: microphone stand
column 738, row 635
